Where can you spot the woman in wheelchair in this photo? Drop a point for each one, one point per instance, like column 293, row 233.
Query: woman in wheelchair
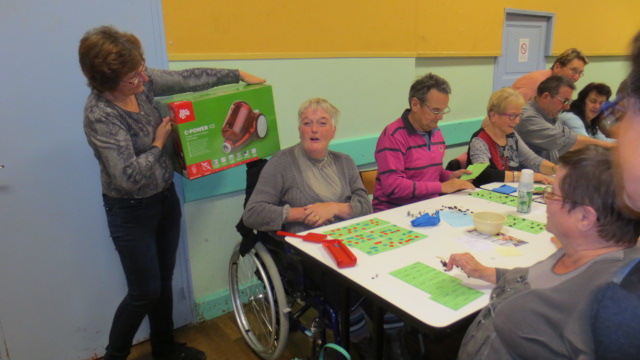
column 307, row 185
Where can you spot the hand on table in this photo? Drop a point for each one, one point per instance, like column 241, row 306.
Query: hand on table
column 541, row 178
column 470, row 266
column 319, row 214
column 455, row 184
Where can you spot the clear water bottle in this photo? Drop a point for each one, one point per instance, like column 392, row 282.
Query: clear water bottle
column 525, row 191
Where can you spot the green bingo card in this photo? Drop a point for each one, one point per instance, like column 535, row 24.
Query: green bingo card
column 520, row 223
column 375, row 236
column 443, row 288
column 496, row 197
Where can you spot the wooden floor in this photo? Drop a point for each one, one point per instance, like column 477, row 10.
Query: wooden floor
column 220, row 339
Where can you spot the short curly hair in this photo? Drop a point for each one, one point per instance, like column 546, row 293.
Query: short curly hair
column 501, row 99
column 320, row 103
column 426, row 83
column 588, row 182
column 553, row 84
column 107, row 55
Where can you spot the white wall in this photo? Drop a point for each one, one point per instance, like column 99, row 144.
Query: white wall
column 60, row 278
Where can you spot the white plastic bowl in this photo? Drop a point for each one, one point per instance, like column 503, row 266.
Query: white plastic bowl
column 488, row 223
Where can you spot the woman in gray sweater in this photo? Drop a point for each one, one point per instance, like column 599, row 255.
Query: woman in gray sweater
column 307, row 185
column 542, row 311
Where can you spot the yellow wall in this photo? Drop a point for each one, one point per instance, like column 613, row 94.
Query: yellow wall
column 253, row 29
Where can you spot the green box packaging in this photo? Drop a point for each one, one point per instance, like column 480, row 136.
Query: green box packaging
column 221, row 128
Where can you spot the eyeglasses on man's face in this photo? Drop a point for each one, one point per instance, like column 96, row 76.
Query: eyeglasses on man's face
column 564, row 101
column 513, row 116
column 137, row 76
column 576, row 71
column 444, row 111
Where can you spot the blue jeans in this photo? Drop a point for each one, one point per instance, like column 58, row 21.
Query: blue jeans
column 145, row 233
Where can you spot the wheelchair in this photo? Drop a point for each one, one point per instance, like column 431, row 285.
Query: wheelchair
column 268, row 293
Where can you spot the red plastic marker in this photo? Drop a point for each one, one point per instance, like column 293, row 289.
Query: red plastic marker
column 312, row 237
column 340, row 253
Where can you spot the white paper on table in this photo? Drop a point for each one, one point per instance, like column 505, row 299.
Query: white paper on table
column 475, row 243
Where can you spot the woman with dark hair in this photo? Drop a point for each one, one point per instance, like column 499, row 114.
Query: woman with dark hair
column 584, row 115
column 127, row 135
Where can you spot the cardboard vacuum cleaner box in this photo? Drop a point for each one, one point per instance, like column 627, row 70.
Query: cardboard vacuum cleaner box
column 221, row 128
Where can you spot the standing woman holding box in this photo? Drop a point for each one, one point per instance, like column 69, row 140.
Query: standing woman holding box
column 127, row 135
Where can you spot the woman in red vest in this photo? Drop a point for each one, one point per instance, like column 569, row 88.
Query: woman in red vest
column 498, row 144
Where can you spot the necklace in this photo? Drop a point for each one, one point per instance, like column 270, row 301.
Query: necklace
column 320, row 162
column 317, row 162
column 129, row 103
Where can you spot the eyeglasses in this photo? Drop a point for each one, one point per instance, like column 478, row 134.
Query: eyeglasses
column 577, row 72
column 549, row 195
column 436, row 112
column 564, row 101
column 137, row 76
column 513, row 117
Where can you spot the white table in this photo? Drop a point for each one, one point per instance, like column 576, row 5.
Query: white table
column 491, row 186
column 371, row 273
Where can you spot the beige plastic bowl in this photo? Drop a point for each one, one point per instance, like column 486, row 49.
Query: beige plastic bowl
column 488, row 223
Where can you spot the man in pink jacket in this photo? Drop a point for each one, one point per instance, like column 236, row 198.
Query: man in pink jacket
column 570, row 63
column 409, row 151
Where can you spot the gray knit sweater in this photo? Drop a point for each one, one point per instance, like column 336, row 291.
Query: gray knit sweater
column 121, row 140
column 282, row 183
column 535, row 313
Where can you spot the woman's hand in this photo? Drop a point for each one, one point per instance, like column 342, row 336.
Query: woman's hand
column 162, row 132
column 470, row 266
column 250, row 79
column 541, row 178
column 324, row 213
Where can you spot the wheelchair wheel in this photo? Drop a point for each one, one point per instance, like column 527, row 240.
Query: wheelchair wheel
column 259, row 301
